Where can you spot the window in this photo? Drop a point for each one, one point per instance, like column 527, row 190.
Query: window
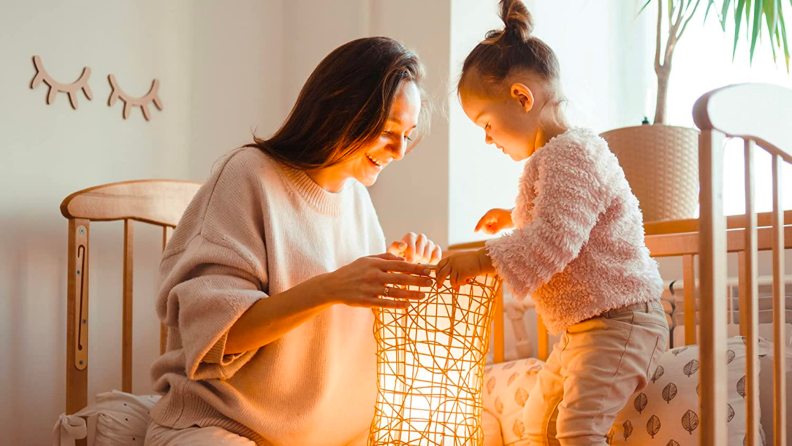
column 703, row 62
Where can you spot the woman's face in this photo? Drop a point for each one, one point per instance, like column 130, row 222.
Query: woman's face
column 393, row 142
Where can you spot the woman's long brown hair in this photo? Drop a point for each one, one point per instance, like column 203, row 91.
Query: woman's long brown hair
column 344, row 105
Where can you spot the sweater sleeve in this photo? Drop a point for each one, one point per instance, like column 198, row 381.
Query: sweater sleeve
column 570, row 196
column 217, row 289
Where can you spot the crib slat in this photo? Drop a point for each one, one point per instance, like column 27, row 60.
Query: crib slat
column 126, row 348
column 167, row 231
column 741, row 313
column 779, row 309
column 498, row 355
column 712, row 374
column 542, row 339
column 689, row 294
column 750, row 302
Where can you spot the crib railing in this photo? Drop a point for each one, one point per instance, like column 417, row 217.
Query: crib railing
column 758, row 114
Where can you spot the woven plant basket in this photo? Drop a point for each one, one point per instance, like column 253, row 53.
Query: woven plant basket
column 661, row 165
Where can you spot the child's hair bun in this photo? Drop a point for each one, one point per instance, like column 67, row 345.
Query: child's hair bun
column 517, row 20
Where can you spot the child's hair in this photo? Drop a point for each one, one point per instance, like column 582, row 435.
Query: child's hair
column 513, row 48
column 345, row 103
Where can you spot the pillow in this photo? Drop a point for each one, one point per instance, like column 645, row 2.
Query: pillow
column 666, row 412
column 766, row 394
column 506, row 388
column 122, row 419
column 492, row 430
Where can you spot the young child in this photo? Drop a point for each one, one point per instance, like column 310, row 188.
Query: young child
column 578, row 243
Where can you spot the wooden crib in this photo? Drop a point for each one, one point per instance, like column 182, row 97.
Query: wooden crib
column 758, row 114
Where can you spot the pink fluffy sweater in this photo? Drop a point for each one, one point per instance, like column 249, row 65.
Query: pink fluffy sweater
column 578, row 247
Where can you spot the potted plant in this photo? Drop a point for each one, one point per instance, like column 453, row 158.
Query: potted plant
column 661, row 161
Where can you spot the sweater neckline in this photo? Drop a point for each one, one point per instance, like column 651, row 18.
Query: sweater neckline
column 316, row 196
column 570, row 133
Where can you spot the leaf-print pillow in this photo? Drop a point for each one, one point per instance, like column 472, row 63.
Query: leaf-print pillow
column 667, row 413
column 506, row 389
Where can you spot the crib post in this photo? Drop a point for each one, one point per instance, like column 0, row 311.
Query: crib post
column 126, row 343
column 77, row 317
column 712, row 375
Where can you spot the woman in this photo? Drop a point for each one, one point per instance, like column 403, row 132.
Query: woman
column 269, row 279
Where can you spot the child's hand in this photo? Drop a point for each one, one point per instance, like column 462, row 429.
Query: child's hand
column 462, row 267
column 495, row 220
column 416, row 248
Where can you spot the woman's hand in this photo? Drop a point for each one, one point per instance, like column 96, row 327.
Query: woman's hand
column 363, row 282
column 416, row 248
column 359, row 284
column 462, row 267
column 494, row 221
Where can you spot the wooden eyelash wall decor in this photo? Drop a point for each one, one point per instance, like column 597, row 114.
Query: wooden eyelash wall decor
column 129, row 101
column 54, row 87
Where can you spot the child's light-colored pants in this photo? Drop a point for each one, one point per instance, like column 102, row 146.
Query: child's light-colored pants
column 593, row 370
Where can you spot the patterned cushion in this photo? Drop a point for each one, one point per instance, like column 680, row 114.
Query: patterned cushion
column 506, row 388
column 492, row 431
column 666, row 412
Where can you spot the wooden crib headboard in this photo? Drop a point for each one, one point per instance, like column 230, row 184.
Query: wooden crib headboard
column 157, row 202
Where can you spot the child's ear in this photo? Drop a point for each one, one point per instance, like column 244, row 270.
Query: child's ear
column 523, row 94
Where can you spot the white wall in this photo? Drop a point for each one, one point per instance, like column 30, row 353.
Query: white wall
column 412, row 195
column 219, row 71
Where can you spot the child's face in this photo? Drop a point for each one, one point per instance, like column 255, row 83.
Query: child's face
column 506, row 117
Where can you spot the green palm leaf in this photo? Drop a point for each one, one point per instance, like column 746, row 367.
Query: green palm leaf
column 753, row 14
column 757, row 25
column 782, row 29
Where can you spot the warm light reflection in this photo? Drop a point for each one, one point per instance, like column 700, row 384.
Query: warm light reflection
column 430, row 361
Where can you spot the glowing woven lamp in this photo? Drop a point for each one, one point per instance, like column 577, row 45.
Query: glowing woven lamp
column 430, row 367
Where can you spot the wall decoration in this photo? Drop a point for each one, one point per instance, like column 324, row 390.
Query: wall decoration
column 54, row 87
column 129, row 101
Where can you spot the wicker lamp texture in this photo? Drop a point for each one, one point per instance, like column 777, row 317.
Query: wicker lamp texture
column 430, row 366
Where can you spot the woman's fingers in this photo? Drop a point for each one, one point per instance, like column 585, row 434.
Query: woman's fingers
column 405, row 279
column 419, row 255
column 397, row 249
column 437, row 254
column 398, row 293
column 409, row 251
column 398, row 266
column 388, row 256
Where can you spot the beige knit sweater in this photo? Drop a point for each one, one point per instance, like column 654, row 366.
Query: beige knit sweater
column 254, row 229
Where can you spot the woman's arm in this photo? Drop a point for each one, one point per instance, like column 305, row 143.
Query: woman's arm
column 274, row 316
column 359, row 284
